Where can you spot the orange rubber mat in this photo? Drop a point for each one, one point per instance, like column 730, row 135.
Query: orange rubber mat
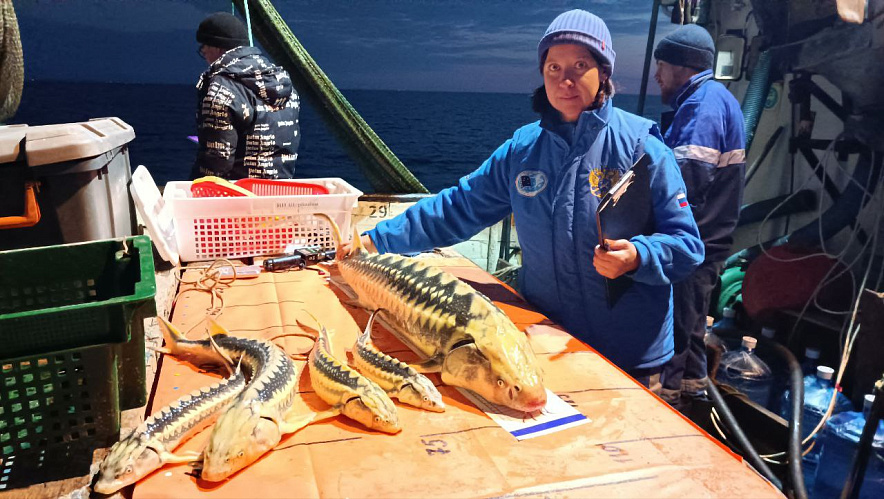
column 634, row 446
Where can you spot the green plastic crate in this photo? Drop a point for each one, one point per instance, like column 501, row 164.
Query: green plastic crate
column 72, row 295
column 64, row 310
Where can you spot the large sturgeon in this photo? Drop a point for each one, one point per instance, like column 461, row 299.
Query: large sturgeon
column 464, row 335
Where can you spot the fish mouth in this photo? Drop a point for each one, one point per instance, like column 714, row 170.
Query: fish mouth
column 107, row 487
column 534, row 407
column 391, row 430
column 215, row 475
column 532, row 404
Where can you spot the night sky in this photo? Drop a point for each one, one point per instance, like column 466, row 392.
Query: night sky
column 446, row 45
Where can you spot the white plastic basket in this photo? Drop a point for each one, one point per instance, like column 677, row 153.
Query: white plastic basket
column 235, row 227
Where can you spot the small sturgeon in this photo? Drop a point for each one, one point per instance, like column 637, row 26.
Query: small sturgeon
column 397, row 378
column 348, row 392
column 260, row 415
column 149, row 445
column 464, row 335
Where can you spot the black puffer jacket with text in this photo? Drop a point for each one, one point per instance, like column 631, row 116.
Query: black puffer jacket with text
column 247, row 118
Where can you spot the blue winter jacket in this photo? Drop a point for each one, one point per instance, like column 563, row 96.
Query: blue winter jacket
column 708, row 140
column 553, row 189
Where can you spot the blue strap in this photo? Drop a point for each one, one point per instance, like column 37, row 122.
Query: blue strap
column 248, row 19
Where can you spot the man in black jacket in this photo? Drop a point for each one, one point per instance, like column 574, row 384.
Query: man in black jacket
column 247, row 111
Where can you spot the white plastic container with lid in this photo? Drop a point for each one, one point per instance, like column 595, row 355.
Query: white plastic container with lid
column 208, row 228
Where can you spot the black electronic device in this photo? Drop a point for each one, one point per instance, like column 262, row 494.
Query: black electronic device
column 300, row 258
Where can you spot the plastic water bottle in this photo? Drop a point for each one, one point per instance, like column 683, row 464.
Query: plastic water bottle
column 726, row 329
column 818, row 391
column 727, row 324
column 839, row 442
column 779, row 372
column 779, row 404
column 743, row 370
column 711, row 339
column 811, row 360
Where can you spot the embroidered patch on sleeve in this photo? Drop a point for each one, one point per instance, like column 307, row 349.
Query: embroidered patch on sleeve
column 682, row 200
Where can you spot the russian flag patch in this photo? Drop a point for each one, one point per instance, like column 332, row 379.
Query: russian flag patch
column 682, row 200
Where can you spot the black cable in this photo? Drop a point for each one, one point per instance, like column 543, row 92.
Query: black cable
column 796, row 380
column 748, row 450
column 794, row 452
column 861, row 459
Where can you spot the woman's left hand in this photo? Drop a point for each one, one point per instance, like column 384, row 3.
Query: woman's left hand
column 620, row 257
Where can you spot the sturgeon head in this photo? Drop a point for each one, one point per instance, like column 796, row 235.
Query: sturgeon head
column 128, row 461
column 239, row 438
column 497, row 363
column 373, row 408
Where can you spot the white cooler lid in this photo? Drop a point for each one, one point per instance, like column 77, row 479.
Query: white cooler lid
column 49, row 144
column 155, row 213
column 11, row 138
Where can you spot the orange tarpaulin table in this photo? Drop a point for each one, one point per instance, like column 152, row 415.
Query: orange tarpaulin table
column 634, row 446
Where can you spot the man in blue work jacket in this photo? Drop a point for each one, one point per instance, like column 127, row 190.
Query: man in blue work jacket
column 705, row 131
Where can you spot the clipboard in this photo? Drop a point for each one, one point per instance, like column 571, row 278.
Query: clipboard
column 625, row 211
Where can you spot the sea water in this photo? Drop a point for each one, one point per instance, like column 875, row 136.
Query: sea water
column 439, row 136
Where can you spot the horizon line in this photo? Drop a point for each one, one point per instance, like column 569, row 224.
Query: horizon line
column 342, row 89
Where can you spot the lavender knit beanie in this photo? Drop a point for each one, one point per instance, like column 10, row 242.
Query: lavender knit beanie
column 581, row 28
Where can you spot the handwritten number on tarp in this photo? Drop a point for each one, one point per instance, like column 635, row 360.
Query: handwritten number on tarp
column 435, row 446
column 567, row 399
column 616, row 453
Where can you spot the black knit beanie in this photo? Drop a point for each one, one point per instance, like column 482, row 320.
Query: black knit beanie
column 690, row 46
column 222, row 30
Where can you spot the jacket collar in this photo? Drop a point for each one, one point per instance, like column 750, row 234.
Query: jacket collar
column 690, row 87
column 552, row 120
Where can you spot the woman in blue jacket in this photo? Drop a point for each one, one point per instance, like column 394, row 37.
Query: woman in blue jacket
column 551, row 175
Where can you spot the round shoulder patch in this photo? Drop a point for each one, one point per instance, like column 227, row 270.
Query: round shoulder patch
column 530, row 183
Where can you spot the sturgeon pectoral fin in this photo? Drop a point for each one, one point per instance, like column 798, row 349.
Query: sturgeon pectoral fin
column 431, row 365
column 185, row 457
column 334, row 411
column 294, row 422
column 466, row 366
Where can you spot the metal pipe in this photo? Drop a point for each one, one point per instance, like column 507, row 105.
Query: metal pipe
column 649, row 50
column 764, row 152
column 505, row 235
column 861, row 458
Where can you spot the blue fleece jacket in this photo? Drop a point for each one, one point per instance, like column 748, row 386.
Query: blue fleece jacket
column 553, row 189
column 708, row 140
